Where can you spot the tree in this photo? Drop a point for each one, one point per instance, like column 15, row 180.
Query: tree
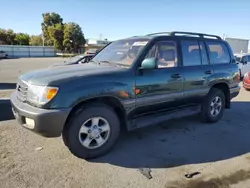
column 3, row 36
column 73, row 37
column 10, row 36
column 50, row 19
column 56, row 35
column 21, row 39
column 36, row 40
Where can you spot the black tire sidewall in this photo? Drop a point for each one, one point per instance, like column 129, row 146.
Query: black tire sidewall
column 72, row 131
column 207, row 116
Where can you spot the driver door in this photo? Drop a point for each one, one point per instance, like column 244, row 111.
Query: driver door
column 161, row 88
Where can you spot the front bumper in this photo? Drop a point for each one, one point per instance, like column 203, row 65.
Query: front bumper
column 246, row 85
column 234, row 92
column 46, row 122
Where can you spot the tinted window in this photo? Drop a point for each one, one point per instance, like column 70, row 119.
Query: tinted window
column 244, row 58
column 218, row 52
column 203, row 54
column 165, row 52
column 248, row 59
column 191, row 53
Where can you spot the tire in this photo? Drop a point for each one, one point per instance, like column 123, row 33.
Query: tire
column 72, row 137
column 206, row 109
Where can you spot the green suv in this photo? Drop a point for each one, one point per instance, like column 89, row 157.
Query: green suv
column 131, row 83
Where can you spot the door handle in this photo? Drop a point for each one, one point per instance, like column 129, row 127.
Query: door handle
column 208, row 72
column 175, row 76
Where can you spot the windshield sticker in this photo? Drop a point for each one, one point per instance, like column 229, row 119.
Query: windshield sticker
column 140, row 43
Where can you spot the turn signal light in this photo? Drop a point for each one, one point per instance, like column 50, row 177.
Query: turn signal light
column 51, row 93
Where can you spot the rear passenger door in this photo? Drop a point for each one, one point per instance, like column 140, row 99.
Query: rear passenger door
column 196, row 70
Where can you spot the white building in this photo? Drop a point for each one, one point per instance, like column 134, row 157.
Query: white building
column 95, row 44
column 238, row 45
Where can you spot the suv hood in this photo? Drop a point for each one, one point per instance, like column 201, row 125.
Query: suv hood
column 59, row 74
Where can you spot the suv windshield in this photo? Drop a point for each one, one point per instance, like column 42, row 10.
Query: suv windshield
column 122, row 52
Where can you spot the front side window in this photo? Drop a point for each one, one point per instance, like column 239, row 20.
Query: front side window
column 218, row 52
column 191, row 53
column 165, row 52
column 122, row 52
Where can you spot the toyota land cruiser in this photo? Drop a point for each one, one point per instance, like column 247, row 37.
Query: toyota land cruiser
column 131, row 83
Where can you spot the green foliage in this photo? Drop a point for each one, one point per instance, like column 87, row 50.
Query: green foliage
column 7, row 36
column 73, row 37
column 3, row 36
column 36, row 40
column 50, row 19
column 10, row 36
column 66, row 37
column 56, row 35
column 21, row 39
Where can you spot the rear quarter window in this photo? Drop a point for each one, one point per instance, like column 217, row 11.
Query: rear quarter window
column 218, row 52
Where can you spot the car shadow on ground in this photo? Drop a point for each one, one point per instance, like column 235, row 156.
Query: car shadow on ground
column 184, row 141
column 5, row 110
column 5, row 86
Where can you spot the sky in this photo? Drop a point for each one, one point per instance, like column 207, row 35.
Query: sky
column 116, row 19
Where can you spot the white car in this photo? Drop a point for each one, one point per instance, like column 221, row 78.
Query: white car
column 3, row 54
column 243, row 61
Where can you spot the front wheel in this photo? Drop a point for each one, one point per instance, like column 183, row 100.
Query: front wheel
column 92, row 132
column 213, row 106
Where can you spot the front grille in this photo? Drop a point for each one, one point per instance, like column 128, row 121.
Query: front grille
column 22, row 89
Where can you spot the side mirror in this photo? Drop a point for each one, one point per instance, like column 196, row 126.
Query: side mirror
column 149, row 63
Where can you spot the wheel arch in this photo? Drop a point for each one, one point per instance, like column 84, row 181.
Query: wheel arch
column 109, row 101
column 225, row 89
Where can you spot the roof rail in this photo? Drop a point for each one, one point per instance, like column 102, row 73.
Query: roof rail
column 158, row 33
column 201, row 35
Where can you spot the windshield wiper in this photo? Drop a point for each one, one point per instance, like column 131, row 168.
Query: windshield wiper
column 94, row 61
column 113, row 64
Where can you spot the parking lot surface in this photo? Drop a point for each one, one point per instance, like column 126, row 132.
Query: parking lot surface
column 216, row 154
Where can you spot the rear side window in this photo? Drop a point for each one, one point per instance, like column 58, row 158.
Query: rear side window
column 218, row 52
column 191, row 53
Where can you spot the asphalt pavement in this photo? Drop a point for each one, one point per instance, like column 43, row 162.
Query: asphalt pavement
column 181, row 153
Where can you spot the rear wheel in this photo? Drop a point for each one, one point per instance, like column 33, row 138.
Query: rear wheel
column 92, row 132
column 213, row 106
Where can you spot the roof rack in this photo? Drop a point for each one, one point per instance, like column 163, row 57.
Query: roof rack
column 158, row 33
column 201, row 35
column 175, row 33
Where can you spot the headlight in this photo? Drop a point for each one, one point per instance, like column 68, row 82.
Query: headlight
column 41, row 94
